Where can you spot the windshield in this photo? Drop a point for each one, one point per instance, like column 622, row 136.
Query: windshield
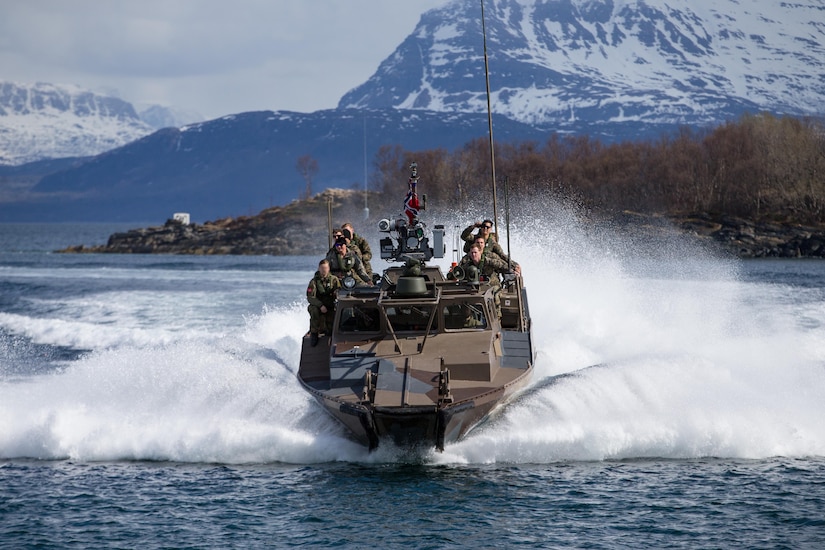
column 360, row 319
column 408, row 318
column 464, row 316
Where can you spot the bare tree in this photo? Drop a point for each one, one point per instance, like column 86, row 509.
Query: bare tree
column 308, row 168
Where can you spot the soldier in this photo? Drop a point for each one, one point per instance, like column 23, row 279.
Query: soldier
column 361, row 243
column 484, row 231
column 485, row 248
column 473, row 317
column 343, row 262
column 489, row 265
column 321, row 293
column 340, row 234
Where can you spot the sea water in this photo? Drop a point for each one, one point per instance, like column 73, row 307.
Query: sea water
column 678, row 400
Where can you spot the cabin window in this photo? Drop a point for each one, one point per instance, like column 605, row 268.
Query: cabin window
column 464, row 316
column 359, row 319
column 411, row 318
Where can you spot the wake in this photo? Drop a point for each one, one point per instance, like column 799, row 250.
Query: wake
column 691, row 362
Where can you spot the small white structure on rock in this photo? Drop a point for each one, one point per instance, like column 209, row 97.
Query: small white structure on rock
column 182, row 217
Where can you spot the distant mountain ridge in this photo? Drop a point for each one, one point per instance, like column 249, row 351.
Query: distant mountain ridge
column 43, row 121
column 47, row 121
column 238, row 164
column 560, row 64
column 158, row 117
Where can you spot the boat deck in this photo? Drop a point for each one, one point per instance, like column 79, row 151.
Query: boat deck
column 412, row 378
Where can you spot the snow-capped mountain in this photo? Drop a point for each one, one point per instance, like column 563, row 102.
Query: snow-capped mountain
column 158, row 116
column 558, row 63
column 42, row 121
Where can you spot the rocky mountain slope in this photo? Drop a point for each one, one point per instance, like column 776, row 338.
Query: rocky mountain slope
column 609, row 63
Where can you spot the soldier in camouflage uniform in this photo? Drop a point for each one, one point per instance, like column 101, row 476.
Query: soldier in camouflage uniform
column 351, row 246
column 362, row 245
column 321, row 297
column 343, row 262
column 489, row 265
column 485, row 231
column 488, row 249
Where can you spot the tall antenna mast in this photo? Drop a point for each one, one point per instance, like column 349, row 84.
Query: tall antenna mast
column 489, row 120
column 366, row 194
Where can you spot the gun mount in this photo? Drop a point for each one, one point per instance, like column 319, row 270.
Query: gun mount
column 408, row 238
column 410, row 241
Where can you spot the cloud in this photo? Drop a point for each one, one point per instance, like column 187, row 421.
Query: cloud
column 215, row 56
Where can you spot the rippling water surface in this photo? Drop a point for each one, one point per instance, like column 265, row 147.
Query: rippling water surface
column 151, row 401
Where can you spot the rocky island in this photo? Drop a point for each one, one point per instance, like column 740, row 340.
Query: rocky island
column 300, row 228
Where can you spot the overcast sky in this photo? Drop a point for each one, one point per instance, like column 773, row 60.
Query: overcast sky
column 215, row 57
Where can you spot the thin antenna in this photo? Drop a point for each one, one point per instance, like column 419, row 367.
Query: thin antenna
column 507, row 220
column 489, row 119
column 329, row 221
column 456, row 243
column 366, row 193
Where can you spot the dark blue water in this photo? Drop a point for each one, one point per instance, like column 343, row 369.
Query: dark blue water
column 150, row 401
column 772, row 503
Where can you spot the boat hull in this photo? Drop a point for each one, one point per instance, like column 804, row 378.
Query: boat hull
column 420, row 369
column 415, row 426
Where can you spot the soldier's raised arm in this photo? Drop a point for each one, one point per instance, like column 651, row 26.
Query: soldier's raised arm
column 467, row 235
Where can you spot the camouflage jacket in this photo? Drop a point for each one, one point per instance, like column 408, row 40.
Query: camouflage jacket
column 351, row 264
column 492, row 244
column 488, row 267
column 321, row 290
column 363, row 246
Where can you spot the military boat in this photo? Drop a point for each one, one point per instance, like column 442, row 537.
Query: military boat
column 421, row 357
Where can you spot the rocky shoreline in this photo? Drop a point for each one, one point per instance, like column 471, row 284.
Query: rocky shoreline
column 300, row 228
column 732, row 235
column 761, row 239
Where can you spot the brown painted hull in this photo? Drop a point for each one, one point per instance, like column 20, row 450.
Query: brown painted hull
column 420, row 368
column 415, row 426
